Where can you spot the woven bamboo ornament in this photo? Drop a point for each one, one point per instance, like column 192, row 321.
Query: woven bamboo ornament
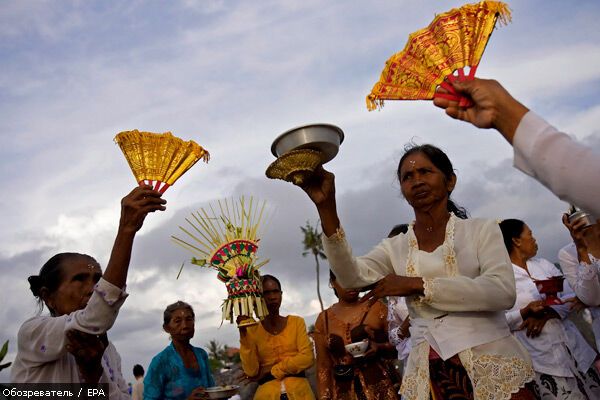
column 227, row 241
column 453, row 41
column 295, row 166
column 159, row 159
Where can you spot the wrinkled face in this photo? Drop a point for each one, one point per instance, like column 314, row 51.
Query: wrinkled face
column 182, row 324
column 527, row 244
column 347, row 295
column 422, row 183
column 79, row 275
column 272, row 295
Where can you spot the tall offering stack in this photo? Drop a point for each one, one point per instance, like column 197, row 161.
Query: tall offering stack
column 227, row 241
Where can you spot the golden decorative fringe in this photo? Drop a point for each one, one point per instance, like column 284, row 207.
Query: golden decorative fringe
column 247, row 306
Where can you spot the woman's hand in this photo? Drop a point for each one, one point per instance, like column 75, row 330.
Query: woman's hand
column 534, row 325
column 87, row 350
column 576, row 304
column 321, row 190
column 198, row 394
column 136, row 205
column 493, row 106
column 395, row 285
column 533, row 308
column 321, row 187
column 404, row 328
column 575, row 229
column 239, row 320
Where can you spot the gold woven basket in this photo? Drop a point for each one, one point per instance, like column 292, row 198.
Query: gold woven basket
column 295, row 166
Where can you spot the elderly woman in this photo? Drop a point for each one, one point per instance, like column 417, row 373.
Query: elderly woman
column 181, row 370
column 70, row 345
column 339, row 375
column 457, row 279
column 276, row 352
column 561, row 357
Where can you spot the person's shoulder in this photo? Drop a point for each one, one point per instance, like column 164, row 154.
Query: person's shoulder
column 34, row 326
column 296, row 320
column 567, row 251
column 478, row 225
column 200, row 350
column 542, row 262
column 162, row 355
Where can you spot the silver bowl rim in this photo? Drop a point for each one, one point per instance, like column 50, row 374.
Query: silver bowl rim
column 334, row 127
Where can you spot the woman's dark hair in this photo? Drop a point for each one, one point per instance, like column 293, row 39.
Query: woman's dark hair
column 333, row 278
column 51, row 276
column 398, row 229
column 442, row 162
column 511, row 229
column 270, row 277
column 171, row 308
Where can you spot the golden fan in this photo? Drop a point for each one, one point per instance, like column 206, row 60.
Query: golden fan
column 453, row 41
column 159, row 159
column 227, row 242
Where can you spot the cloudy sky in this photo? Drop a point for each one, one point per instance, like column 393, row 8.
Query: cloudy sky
column 232, row 75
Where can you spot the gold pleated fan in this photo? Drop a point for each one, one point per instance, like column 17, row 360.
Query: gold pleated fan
column 159, row 159
column 227, row 241
column 453, row 41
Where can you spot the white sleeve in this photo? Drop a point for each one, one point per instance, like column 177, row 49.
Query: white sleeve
column 494, row 288
column 514, row 319
column 569, row 169
column 356, row 272
column 43, row 339
column 582, row 278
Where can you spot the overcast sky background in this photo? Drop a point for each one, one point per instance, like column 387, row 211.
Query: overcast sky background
column 233, row 75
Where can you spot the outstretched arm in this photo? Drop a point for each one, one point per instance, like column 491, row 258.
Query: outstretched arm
column 540, row 150
column 134, row 209
column 493, row 106
column 321, row 190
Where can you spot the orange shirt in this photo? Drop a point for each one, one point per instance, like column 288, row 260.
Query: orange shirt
column 288, row 353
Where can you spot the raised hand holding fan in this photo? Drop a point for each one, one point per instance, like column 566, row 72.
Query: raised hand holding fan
column 159, row 159
column 452, row 42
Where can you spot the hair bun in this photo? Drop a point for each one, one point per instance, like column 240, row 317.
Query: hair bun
column 35, row 284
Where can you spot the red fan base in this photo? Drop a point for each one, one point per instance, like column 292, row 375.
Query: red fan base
column 452, row 94
column 159, row 186
column 550, row 287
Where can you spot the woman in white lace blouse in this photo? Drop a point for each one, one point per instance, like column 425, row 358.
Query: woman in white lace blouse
column 457, row 279
column 561, row 357
column 70, row 345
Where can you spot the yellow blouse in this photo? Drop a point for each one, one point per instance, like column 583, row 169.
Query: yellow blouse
column 288, row 353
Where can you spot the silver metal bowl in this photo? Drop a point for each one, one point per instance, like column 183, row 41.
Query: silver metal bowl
column 222, row 392
column 577, row 215
column 325, row 138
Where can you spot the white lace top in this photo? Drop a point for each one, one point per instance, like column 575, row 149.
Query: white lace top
column 469, row 283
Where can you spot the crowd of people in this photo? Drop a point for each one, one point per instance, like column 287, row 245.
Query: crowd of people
column 454, row 298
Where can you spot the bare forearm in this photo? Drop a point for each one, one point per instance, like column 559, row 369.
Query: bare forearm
column 329, row 218
column 118, row 265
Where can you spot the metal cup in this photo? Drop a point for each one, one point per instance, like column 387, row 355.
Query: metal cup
column 581, row 215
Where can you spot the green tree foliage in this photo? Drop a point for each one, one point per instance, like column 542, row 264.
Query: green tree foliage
column 313, row 245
